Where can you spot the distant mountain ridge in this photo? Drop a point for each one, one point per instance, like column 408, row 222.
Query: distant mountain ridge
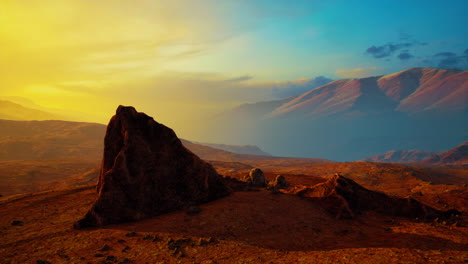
column 54, row 139
column 456, row 156
column 14, row 111
column 402, row 156
column 351, row 119
column 239, row 149
column 413, row 91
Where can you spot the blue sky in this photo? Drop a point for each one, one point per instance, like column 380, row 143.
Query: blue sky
column 307, row 39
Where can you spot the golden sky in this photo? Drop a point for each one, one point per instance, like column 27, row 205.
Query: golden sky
column 90, row 56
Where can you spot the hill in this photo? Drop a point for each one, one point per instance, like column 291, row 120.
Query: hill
column 457, row 156
column 352, row 119
column 14, row 111
column 402, row 156
column 239, row 149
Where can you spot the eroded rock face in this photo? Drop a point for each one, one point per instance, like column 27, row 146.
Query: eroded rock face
column 344, row 198
column 146, row 171
column 255, row 178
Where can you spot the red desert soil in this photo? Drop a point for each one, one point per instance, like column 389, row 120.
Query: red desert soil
column 245, row 227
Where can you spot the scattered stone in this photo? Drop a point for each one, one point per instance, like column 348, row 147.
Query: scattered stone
column 212, row 240
column 178, row 253
column 105, row 248
column 121, row 241
column 255, row 178
column 193, row 210
column 146, row 171
column 152, row 238
column 131, row 234
column 125, row 249
column 202, row 242
column 388, row 229
column 16, row 223
column 124, row 261
column 40, row 261
column 98, row 255
column 111, row 258
column 175, row 244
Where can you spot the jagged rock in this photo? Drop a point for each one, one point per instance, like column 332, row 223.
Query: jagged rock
column 146, row 171
column 255, row 178
column 344, row 198
column 279, row 182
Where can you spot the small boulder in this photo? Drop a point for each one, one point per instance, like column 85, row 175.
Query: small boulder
column 255, row 178
column 279, row 182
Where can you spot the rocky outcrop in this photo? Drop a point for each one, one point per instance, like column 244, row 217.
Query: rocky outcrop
column 344, row 198
column 255, row 178
column 279, row 182
column 146, row 171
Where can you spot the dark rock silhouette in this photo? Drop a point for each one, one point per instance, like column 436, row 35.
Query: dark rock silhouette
column 146, row 171
column 279, row 182
column 255, row 178
column 344, row 198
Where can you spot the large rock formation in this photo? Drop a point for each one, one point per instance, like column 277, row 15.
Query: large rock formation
column 344, row 198
column 146, row 171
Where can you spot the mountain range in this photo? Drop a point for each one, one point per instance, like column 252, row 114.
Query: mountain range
column 402, row 156
column 457, row 156
column 351, row 119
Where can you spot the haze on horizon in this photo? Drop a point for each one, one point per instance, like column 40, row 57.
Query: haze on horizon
column 181, row 61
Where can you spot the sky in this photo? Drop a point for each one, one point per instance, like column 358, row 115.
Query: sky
column 184, row 60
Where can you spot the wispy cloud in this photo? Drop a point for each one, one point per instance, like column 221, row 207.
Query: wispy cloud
column 357, row 72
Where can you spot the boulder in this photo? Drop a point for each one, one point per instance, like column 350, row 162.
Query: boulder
column 146, row 171
column 255, row 178
column 279, row 182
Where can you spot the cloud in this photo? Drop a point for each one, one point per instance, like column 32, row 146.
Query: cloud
column 450, row 60
column 297, row 87
column 357, row 72
column 445, row 54
column 386, row 50
column 405, row 56
column 239, row 79
column 390, row 48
